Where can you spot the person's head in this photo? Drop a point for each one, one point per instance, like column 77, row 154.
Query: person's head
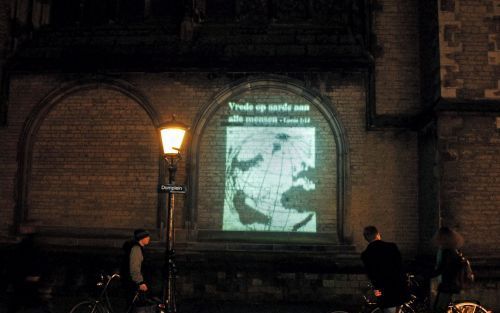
column 371, row 233
column 447, row 238
column 142, row 236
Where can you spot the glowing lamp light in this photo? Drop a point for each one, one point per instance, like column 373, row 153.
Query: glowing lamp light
column 172, row 134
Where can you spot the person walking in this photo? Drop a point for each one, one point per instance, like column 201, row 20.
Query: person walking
column 383, row 265
column 448, row 264
column 132, row 270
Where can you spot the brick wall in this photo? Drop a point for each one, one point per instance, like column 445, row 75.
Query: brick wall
column 430, row 83
column 4, row 25
column 214, row 278
column 468, row 46
column 373, row 197
column 5, row 42
column 428, row 187
column 95, row 164
column 469, row 151
column 467, row 134
column 378, row 189
column 261, row 286
column 396, row 50
column 11, row 135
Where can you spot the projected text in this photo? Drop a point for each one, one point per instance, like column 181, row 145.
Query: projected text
column 270, row 168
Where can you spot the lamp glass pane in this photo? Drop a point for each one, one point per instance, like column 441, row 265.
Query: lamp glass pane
column 172, row 139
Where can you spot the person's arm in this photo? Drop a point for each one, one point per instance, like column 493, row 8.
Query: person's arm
column 370, row 271
column 135, row 266
column 439, row 267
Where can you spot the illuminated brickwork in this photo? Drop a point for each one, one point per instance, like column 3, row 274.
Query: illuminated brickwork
column 95, row 164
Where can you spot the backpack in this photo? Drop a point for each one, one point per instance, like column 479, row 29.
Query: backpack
column 465, row 275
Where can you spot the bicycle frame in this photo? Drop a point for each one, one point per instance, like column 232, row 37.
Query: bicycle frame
column 101, row 303
column 104, row 295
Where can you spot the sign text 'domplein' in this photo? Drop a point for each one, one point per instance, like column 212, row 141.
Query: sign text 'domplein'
column 172, row 189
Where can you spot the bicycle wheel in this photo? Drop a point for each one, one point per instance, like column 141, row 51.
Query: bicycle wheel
column 467, row 307
column 88, row 307
column 404, row 309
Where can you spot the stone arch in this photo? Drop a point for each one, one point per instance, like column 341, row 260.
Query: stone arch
column 277, row 84
column 48, row 104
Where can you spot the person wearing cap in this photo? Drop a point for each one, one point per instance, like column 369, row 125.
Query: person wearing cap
column 132, row 265
column 383, row 265
column 142, row 238
column 448, row 262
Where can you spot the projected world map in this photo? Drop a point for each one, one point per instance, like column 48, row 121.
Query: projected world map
column 269, row 183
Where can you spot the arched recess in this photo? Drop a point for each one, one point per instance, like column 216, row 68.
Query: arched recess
column 86, row 95
column 218, row 144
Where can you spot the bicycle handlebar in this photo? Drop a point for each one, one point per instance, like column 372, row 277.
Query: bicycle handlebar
column 113, row 276
column 109, row 278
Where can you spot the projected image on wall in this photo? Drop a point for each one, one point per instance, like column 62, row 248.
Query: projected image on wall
column 270, row 174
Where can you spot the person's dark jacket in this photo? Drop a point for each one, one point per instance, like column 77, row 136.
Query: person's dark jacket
column 383, row 264
column 448, row 266
column 27, row 270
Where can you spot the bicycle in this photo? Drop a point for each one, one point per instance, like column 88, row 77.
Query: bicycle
column 465, row 306
column 370, row 305
column 420, row 304
column 457, row 307
column 102, row 303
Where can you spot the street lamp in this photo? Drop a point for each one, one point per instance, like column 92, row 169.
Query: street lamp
column 172, row 134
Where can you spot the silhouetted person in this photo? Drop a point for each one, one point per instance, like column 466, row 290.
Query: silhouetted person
column 27, row 267
column 448, row 264
column 383, row 264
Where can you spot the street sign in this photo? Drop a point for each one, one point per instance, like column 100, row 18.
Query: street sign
column 172, row 189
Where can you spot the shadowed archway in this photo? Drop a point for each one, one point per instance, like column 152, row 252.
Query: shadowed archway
column 83, row 150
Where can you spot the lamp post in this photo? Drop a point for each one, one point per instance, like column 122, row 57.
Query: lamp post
column 172, row 134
